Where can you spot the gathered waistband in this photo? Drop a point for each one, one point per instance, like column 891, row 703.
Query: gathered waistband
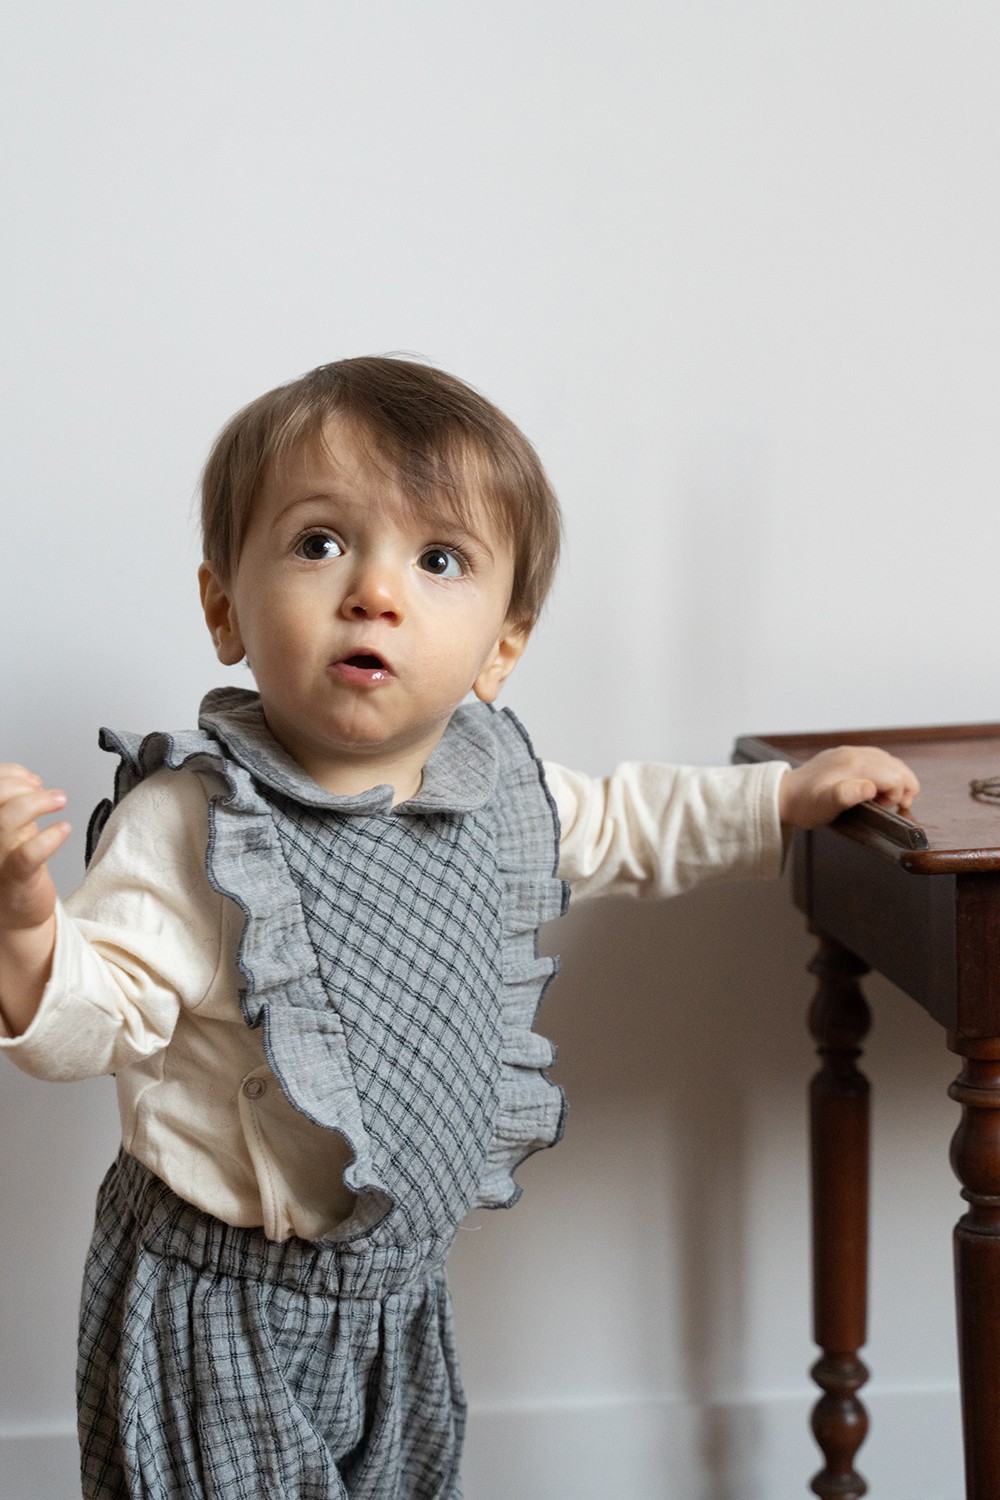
column 172, row 1227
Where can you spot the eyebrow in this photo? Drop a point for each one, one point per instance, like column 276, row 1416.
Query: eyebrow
column 315, row 498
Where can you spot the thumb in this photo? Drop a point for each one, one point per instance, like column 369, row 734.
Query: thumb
column 850, row 793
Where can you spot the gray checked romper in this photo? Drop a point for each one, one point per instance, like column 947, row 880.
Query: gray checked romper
column 389, row 957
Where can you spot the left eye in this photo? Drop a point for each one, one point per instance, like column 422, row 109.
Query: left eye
column 317, row 546
column 440, row 562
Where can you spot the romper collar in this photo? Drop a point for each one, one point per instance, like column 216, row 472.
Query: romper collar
column 460, row 776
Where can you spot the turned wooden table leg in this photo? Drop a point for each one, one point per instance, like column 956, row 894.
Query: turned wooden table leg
column 975, row 1157
column 839, row 1020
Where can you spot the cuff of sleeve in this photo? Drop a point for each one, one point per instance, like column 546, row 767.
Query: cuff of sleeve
column 772, row 843
column 21, row 1047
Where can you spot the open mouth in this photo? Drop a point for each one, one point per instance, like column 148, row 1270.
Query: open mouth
column 362, row 667
column 366, row 661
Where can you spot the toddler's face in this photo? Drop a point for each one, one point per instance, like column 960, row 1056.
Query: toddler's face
column 364, row 625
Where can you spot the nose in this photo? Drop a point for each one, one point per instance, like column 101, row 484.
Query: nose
column 374, row 593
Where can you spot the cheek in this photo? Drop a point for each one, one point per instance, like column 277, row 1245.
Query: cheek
column 279, row 618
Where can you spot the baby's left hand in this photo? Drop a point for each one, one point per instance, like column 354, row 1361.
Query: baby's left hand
column 834, row 780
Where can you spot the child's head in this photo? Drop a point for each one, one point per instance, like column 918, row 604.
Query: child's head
column 438, row 439
column 378, row 543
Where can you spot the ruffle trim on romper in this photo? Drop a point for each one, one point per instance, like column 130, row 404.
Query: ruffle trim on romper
column 532, row 1109
column 282, row 985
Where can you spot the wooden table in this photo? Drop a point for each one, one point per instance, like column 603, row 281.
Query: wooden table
column 918, row 899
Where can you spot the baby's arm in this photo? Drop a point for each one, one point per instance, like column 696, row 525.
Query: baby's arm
column 656, row 830
column 139, row 939
column 834, row 780
column 650, row 829
column 27, row 895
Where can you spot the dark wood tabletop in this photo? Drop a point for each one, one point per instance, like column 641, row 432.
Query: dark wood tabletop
column 950, row 829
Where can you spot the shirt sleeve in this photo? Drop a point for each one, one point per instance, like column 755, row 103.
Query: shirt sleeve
column 657, row 830
column 140, row 938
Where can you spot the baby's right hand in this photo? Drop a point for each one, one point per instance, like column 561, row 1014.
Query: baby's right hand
column 27, row 894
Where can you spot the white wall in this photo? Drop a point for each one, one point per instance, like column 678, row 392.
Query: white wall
column 733, row 268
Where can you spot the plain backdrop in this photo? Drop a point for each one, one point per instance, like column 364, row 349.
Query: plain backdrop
column 733, row 268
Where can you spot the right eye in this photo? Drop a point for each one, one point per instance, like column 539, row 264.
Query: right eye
column 318, row 546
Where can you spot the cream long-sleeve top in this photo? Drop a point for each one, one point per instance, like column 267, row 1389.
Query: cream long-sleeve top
column 145, row 982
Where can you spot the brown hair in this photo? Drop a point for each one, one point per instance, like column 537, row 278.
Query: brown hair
column 440, row 438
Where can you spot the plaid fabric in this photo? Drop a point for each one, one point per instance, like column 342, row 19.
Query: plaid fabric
column 218, row 1365
column 403, row 914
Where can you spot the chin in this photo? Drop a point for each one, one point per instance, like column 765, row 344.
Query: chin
column 359, row 743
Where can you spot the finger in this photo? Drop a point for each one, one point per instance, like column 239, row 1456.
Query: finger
column 900, row 804
column 44, row 844
column 850, row 792
column 16, row 779
column 911, row 788
column 907, row 781
column 20, row 812
column 27, row 859
column 899, row 790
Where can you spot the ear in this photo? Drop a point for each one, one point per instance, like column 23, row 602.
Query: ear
column 220, row 616
column 501, row 661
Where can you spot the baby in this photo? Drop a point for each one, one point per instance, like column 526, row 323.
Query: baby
column 306, row 946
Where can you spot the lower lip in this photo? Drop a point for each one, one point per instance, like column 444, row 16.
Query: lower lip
column 345, row 671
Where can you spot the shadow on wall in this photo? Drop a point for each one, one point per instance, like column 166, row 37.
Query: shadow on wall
column 662, row 1252
column 705, row 997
